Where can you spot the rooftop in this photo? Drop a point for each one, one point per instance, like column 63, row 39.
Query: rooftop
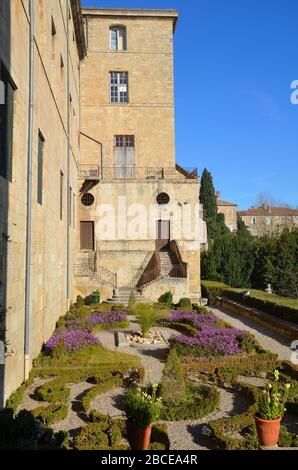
column 269, row 211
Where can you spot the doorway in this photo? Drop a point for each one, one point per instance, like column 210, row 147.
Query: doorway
column 87, row 235
column 162, row 234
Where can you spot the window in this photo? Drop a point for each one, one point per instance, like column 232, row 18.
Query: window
column 61, row 194
column 70, row 206
column 40, row 167
column 162, row 199
column 87, row 199
column 119, row 87
column 118, row 38
column 124, row 156
column 74, row 210
column 6, row 124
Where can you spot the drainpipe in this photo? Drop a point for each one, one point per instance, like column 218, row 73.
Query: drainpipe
column 68, row 287
column 29, row 194
column 99, row 143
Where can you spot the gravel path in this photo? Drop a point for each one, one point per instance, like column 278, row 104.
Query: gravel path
column 183, row 435
column 73, row 422
column 265, row 336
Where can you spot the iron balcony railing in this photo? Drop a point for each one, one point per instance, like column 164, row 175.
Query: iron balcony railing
column 126, row 172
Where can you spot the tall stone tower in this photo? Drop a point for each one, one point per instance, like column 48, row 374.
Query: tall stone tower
column 139, row 213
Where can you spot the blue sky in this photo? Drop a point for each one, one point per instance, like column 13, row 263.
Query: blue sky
column 234, row 63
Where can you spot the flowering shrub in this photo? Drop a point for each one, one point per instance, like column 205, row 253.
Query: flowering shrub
column 109, row 318
column 71, row 340
column 271, row 404
column 209, row 338
column 198, row 320
column 143, row 406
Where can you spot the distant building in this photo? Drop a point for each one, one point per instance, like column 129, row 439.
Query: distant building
column 229, row 210
column 267, row 219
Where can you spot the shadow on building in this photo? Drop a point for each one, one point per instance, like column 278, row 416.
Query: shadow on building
column 6, row 115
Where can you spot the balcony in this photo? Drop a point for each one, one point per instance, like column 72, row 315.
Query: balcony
column 92, row 174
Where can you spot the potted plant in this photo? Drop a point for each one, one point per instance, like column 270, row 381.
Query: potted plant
column 142, row 408
column 271, row 408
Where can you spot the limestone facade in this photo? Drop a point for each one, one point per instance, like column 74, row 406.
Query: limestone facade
column 53, row 213
column 124, row 183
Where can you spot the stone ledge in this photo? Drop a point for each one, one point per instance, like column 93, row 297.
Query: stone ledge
column 280, row 326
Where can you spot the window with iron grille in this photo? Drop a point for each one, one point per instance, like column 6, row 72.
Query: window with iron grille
column 162, row 198
column 118, row 38
column 119, row 87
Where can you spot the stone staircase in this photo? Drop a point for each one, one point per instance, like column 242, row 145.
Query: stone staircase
column 121, row 296
column 168, row 260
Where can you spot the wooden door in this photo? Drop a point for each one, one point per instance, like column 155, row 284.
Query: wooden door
column 162, row 234
column 87, row 235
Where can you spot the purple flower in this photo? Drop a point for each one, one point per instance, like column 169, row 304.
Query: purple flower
column 214, row 340
column 72, row 340
column 100, row 318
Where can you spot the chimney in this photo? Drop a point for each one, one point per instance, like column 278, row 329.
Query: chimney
column 218, row 195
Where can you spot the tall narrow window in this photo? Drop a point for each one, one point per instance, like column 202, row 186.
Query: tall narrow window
column 74, row 210
column 70, row 206
column 124, row 156
column 6, row 124
column 40, row 167
column 61, row 194
column 118, row 38
column 119, row 87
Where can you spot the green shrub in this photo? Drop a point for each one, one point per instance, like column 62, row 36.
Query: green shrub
column 118, row 307
column 285, row 437
column 132, row 303
column 184, row 302
column 80, row 301
column 249, row 344
column 172, row 387
column 54, row 391
column 52, row 413
column 16, row 398
column 199, row 401
column 167, row 298
column 212, row 289
column 147, row 316
column 93, row 437
column 280, row 307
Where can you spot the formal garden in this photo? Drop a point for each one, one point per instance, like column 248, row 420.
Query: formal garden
column 212, row 379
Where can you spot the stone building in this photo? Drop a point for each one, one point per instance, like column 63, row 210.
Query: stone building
column 268, row 219
column 41, row 45
column 91, row 195
column 139, row 212
column 229, row 210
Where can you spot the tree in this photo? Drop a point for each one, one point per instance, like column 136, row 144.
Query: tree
column 208, row 199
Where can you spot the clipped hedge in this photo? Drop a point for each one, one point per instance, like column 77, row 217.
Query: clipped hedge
column 225, row 369
column 212, row 289
column 280, row 307
column 52, row 413
column 200, row 401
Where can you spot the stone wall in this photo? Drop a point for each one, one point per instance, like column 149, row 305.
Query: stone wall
column 48, row 296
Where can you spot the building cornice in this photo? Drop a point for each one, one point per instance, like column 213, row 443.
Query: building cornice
column 132, row 13
column 79, row 28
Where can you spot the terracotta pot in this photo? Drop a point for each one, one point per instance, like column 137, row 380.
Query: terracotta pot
column 138, row 438
column 268, row 431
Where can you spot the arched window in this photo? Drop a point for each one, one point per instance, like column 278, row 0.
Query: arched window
column 118, row 38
